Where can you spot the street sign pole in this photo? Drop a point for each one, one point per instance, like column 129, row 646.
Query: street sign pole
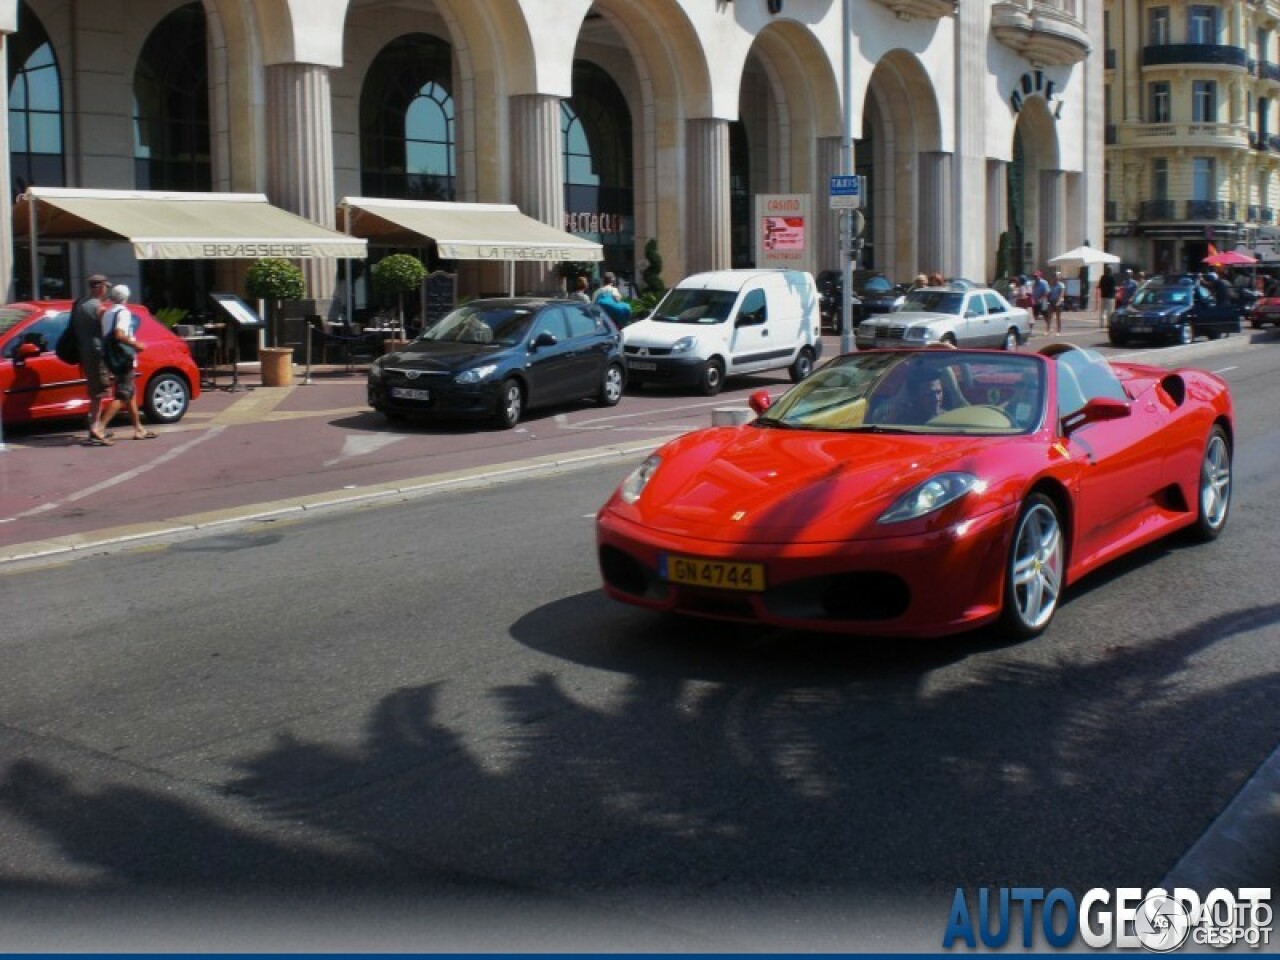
column 846, row 167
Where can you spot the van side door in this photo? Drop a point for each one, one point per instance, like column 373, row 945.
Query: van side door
column 749, row 341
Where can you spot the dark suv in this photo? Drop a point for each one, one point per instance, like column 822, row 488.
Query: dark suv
column 494, row 358
column 873, row 293
column 1174, row 308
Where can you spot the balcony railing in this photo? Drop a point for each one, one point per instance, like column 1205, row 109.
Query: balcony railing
column 1227, row 135
column 1265, row 70
column 1158, row 210
column 1205, row 54
column 1260, row 214
column 1216, row 210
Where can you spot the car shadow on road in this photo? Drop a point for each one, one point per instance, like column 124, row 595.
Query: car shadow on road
column 647, row 644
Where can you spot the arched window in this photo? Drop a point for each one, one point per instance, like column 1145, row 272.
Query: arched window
column 35, row 108
column 171, row 105
column 407, row 128
column 596, row 129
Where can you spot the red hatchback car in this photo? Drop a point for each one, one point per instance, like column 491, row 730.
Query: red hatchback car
column 36, row 385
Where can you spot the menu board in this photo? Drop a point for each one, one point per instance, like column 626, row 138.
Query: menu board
column 237, row 310
column 439, row 294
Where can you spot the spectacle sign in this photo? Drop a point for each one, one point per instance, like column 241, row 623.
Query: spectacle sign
column 846, row 192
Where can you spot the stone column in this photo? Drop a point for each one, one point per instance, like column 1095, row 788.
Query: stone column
column 998, row 215
column 826, row 237
column 934, row 223
column 1053, row 200
column 300, row 156
column 1131, row 59
column 537, row 178
column 706, row 240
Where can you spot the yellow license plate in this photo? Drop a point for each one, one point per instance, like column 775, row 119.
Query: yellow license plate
column 712, row 573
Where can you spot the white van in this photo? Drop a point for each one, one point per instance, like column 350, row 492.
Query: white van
column 713, row 325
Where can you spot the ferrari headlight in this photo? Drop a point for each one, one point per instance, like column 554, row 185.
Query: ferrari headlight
column 475, row 374
column 934, row 494
column 684, row 345
column 634, row 485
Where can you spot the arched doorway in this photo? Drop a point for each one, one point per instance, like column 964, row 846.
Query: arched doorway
column 36, row 155
column 1036, row 189
column 899, row 150
column 171, row 142
column 598, row 185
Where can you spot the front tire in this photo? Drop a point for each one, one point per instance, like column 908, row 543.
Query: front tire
column 1214, row 500
column 712, row 380
column 167, row 397
column 1186, row 334
column 1117, row 339
column 1034, row 572
column 1011, row 339
column 611, row 386
column 510, row 404
column 803, row 365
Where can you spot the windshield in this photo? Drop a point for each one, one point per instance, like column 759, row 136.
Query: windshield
column 695, row 306
column 501, row 325
column 871, row 286
column 933, row 301
column 929, row 391
column 1168, row 296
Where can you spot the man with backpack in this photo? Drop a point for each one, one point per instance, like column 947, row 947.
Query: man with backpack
column 86, row 322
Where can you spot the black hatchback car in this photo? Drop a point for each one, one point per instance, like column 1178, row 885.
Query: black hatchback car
column 495, row 358
column 1174, row 308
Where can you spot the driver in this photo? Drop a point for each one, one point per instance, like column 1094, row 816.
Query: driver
column 921, row 399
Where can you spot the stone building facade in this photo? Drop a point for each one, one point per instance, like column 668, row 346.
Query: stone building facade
column 977, row 123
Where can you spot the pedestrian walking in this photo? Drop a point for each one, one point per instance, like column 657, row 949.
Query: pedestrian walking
column 87, row 327
column 1039, row 298
column 1057, row 294
column 1107, row 295
column 580, row 290
column 120, row 350
column 1128, row 287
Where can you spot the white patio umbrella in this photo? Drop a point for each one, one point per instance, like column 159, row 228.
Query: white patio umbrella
column 1084, row 256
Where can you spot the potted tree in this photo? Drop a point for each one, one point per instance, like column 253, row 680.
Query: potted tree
column 398, row 274
column 273, row 279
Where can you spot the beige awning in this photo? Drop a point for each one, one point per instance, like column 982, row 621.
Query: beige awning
column 179, row 226
column 463, row 231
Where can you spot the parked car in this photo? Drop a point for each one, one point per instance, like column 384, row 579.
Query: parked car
column 36, row 385
column 714, row 325
column 496, row 358
column 960, row 314
column 834, row 511
column 1173, row 308
column 1264, row 310
column 873, row 293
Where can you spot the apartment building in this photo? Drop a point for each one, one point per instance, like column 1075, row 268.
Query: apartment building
column 1193, row 148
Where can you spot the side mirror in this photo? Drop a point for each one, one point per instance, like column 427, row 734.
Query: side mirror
column 1095, row 411
column 26, row 351
column 545, row 339
column 760, row 401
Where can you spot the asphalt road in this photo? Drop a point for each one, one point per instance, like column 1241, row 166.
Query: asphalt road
column 420, row 725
